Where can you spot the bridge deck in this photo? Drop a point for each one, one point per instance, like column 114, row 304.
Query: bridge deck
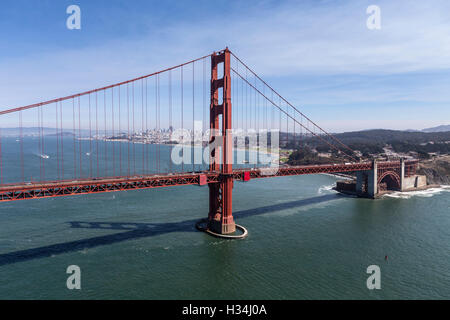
column 23, row 191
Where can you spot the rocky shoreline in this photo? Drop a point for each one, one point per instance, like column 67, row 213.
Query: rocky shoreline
column 437, row 170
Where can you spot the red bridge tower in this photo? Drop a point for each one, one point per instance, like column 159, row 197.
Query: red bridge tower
column 220, row 218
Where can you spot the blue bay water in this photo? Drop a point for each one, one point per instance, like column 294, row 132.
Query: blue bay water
column 305, row 242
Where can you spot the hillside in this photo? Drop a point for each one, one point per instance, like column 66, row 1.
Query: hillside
column 376, row 142
column 386, row 136
column 438, row 129
column 35, row 131
column 372, row 141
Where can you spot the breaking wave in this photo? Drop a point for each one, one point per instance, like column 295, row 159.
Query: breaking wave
column 325, row 189
column 422, row 193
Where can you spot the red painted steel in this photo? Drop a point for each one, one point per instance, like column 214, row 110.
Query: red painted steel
column 203, row 180
column 11, row 192
column 66, row 188
column 220, row 217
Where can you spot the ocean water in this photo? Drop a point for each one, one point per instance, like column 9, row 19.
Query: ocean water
column 305, row 242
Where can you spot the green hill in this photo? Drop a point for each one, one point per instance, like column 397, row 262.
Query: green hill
column 370, row 142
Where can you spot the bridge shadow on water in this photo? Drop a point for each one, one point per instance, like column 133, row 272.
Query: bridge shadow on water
column 133, row 230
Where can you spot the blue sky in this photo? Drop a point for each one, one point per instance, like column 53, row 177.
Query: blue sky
column 318, row 54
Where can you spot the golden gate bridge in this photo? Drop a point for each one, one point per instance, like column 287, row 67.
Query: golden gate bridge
column 114, row 138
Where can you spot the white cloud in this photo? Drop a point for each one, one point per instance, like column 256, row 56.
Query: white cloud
column 414, row 37
column 286, row 40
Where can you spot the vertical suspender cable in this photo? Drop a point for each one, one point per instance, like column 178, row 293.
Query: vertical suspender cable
column 43, row 140
column 133, row 135
column 90, row 138
column 279, row 126
column 74, row 141
column 1, row 159
column 170, row 116
column 142, row 132
column 156, row 123
column 39, row 143
column 57, row 140
column 246, row 103
column 79, row 133
column 112, row 129
column 146, row 125
column 105, row 134
column 193, row 117
column 204, row 106
column 158, row 118
column 96, row 133
column 62, row 140
column 128, row 126
column 182, row 124
column 257, row 111
column 242, row 109
column 120, row 142
column 21, row 146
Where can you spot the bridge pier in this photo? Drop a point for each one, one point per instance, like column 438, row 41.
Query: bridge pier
column 220, row 218
column 372, row 181
column 361, row 182
column 402, row 174
column 367, row 182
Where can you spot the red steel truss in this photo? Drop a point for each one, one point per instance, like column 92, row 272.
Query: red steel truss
column 67, row 188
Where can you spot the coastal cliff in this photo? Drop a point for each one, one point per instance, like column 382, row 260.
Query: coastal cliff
column 437, row 170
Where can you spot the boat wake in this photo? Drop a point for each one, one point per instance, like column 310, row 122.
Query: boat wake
column 43, row 156
column 422, row 193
